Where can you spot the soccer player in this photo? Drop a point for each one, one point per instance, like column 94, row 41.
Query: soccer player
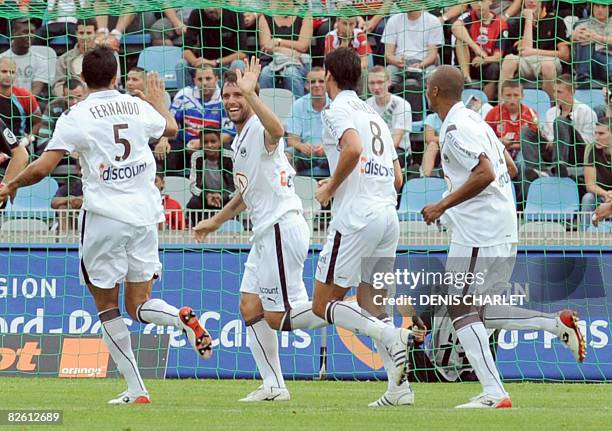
column 121, row 208
column 9, row 147
column 364, row 231
column 480, row 210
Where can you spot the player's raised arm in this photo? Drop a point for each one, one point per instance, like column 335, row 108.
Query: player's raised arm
column 156, row 97
column 35, row 172
column 247, row 82
column 480, row 178
column 234, row 207
column 19, row 159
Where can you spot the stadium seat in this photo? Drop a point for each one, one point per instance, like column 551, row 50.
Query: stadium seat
column 279, row 100
column 231, row 226
column 591, row 98
column 179, row 189
column 33, row 201
column 537, row 100
column 417, row 193
column 467, row 93
column 162, row 59
column 552, row 199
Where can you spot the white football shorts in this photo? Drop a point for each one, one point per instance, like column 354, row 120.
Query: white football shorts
column 111, row 251
column 275, row 266
column 347, row 260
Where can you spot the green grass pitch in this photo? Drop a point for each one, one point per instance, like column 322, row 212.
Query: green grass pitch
column 211, row 405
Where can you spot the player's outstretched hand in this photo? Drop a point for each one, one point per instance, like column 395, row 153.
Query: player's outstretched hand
column 203, row 228
column 156, row 91
column 247, row 80
column 323, row 193
column 432, row 212
column 603, row 211
column 7, row 192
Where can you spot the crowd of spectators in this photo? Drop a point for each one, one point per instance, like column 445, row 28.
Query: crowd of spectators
column 502, row 47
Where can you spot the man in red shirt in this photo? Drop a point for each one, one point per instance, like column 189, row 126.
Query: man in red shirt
column 172, row 209
column 511, row 119
column 478, row 48
column 348, row 35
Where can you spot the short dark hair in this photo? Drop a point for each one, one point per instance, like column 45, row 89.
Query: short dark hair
column 88, row 22
column 230, row 77
column 194, row 70
column 566, row 80
column 99, row 67
column 72, row 83
column 344, row 65
column 20, row 23
column 605, row 121
column 511, row 83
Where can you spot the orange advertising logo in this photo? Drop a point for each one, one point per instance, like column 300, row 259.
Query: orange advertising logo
column 23, row 356
column 83, row 358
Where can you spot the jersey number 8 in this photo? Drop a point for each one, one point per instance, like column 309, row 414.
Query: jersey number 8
column 377, row 142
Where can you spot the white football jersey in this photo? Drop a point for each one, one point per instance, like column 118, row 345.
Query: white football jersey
column 489, row 218
column 370, row 186
column 110, row 131
column 264, row 179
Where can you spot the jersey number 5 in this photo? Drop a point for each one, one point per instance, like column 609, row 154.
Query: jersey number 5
column 121, row 141
column 378, row 145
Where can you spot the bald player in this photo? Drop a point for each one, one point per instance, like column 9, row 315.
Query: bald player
column 480, row 211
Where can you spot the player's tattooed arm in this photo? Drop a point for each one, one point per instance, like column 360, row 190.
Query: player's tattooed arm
column 482, row 175
column 247, row 82
column 33, row 173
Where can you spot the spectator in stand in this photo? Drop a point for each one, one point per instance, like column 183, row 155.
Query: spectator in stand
column 605, row 110
column 13, row 157
column 70, row 63
column 65, row 22
column 538, row 44
column 172, row 208
column 135, row 83
column 74, row 92
column 411, row 44
column 597, row 167
column 69, row 196
column 347, row 35
column 478, row 47
column 32, row 68
column 250, row 32
column 169, row 29
column 511, row 119
column 395, row 111
column 285, row 41
column 18, row 106
column 211, row 176
column 566, row 128
column 214, row 37
column 305, row 127
column 195, row 108
column 431, row 136
column 593, row 45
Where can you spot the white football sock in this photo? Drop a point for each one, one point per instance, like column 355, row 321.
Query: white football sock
column 302, row 317
column 387, row 362
column 507, row 317
column 264, row 348
column 475, row 342
column 159, row 312
column 351, row 317
column 116, row 335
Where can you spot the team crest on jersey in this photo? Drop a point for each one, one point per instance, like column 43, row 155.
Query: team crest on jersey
column 243, row 152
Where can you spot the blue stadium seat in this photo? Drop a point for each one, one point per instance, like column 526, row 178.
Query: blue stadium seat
column 417, row 193
column 552, row 199
column 162, row 59
column 231, row 226
column 34, row 201
column 538, row 100
column 140, row 39
column 467, row 93
column 591, row 98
